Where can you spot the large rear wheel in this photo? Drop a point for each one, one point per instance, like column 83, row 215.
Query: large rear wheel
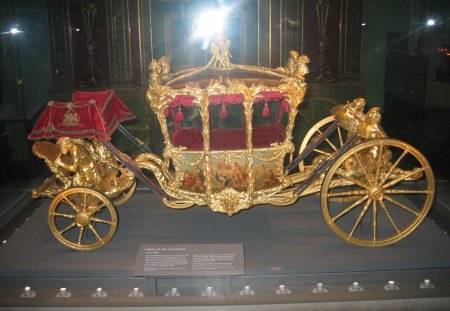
column 393, row 189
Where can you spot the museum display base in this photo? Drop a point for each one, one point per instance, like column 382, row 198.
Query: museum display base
column 289, row 246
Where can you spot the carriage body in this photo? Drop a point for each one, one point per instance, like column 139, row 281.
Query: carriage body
column 227, row 130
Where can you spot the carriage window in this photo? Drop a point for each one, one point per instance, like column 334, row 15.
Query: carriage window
column 186, row 116
column 191, row 117
column 265, row 114
column 184, row 124
column 268, row 122
column 227, row 130
column 226, row 116
column 284, row 118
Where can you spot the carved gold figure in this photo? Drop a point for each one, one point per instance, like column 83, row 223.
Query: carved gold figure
column 228, row 146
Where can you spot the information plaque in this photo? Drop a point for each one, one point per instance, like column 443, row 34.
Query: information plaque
column 190, row 260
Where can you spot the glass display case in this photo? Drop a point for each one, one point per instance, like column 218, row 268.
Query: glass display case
column 394, row 55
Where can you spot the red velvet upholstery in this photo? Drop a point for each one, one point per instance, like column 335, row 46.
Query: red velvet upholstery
column 263, row 136
column 225, row 139
column 191, row 138
column 228, row 139
column 113, row 110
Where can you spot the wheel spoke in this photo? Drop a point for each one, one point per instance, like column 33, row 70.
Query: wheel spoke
column 406, row 208
column 63, row 215
column 322, row 152
column 379, row 160
column 401, row 178
column 73, row 206
column 402, row 191
column 100, row 207
column 374, row 220
column 102, row 221
column 320, row 133
column 80, row 235
column 85, row 200
column 331, row 145
column 347, row 193
column 358, row 159
column 360, row 217
column 342, row 173
column 389, row 216
column 405, row 152
column 95, row 232
column 341, row 141
column 349, row 208
column 67, row 228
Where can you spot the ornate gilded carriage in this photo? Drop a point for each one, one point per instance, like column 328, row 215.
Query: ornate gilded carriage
column 227, row 131
column 228, row 145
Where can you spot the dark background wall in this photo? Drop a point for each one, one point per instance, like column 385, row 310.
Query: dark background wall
column 405, row 67
column 26, row 78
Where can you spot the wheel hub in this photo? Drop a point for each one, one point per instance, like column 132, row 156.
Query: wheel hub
column 376, row 193
column 82, row 219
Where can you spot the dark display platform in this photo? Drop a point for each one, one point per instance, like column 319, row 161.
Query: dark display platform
column 282, row 245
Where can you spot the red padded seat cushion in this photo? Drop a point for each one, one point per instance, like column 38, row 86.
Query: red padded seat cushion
column 190, row 138
column 265, row 135
column 228, row 139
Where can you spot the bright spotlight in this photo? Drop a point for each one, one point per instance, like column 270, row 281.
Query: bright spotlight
column 14, row 30
column 431, row 22
column 210, row 23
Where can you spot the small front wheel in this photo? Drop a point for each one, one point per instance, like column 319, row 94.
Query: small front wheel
column 393, row 189
column 82, row 218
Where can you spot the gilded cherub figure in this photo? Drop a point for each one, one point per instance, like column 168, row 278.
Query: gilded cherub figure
column 220, row 50
column 159, row 69
column 297, row 65
column 83, row 165
column 371, row 128
column 350, row 115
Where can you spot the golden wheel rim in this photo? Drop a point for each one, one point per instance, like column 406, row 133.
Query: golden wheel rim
column 82, row 218
column 126, row 195
column 394, row 186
